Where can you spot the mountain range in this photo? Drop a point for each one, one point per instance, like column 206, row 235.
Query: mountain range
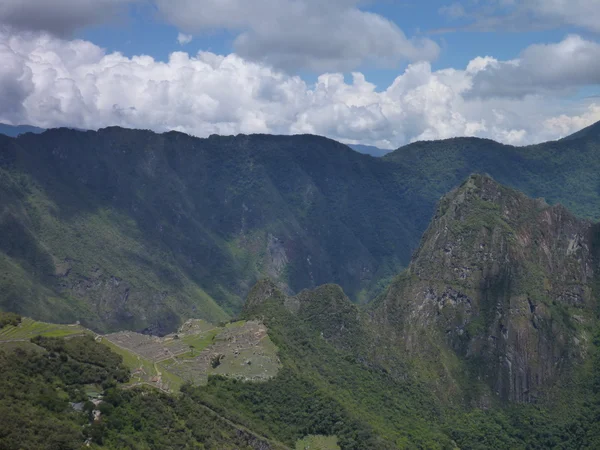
column 489, row 339
column 442, row 296
column 131, row 229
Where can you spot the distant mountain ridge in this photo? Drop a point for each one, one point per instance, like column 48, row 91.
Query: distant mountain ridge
column 16, row 130
column 590, row 131
column 131, row 229
column 370, row 150
column 489, row 339
column 390, row 303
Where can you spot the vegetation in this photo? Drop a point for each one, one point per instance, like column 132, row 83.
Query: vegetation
column 7, row 318
column 27, row 328
column 91, row 236
column 44, row 404
column 318, row 443
column 325, row 389
column 37, row 387
column 87, row 233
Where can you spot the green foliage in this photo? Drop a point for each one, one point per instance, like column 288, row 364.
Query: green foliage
column 37, row 387
column 85, row 362
column 27, row 328
column 181, row 227
column 562, row 171
column 140, row 225
column 8, row 318
column 140, row 419
column 326, row 388
column 287, row 408
column 318, row 443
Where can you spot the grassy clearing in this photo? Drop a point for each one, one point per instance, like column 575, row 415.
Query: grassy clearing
column 318, row 443
column 29, row 328
column 238, row 324
column 199, row 342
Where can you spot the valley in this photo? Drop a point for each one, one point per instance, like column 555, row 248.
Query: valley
column 299, row 225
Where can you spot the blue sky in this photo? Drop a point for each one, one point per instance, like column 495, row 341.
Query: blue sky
column 142, row 31
column 378, row 72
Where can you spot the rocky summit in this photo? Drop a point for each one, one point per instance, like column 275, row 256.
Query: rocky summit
column 500, row 293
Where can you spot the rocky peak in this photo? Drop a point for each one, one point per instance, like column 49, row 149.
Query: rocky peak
column 263, row 291
column 500, row 286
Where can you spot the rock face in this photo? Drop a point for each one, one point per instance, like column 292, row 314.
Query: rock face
column 499, row 293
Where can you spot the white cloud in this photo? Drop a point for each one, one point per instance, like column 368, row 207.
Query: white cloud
column 573, row 62
column 580, row 13
column 454, row 10
column 520, row 15
column 308, row 34
column 60, row 17
column 184, row 39
column 564, row 125
column 290, row 34
column 47, row 81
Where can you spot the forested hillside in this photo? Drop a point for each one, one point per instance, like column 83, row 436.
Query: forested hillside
column 126, row 229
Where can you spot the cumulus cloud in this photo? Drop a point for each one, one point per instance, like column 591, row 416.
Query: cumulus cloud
column 580, row 13
column 60, row 17
column 309, row 34
column 184, row 39
column 47, row 81
column 519, row 15
column 564, row 125
column 290, row 34
column 573, row 62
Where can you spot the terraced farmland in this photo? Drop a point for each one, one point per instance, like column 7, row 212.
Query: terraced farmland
column 29, row 328
column 240, row 350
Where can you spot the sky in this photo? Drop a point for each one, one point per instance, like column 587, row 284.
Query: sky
column 374, row 72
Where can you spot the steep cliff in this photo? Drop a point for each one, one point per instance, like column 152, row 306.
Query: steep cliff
column 498, row 295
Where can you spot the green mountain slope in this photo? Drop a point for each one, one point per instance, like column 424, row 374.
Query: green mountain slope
column 499, row 301
column 128, row 229
column 565, row 171
column 490, row 339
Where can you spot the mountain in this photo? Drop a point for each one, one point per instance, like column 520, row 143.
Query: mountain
column 563, row 171
column 370, row 150
column 489, row 339
column 16, row 130
column 501, row 294
column 129, row 229
column 592, row 131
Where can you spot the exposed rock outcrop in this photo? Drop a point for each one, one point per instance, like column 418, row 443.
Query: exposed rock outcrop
column 499, row 292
